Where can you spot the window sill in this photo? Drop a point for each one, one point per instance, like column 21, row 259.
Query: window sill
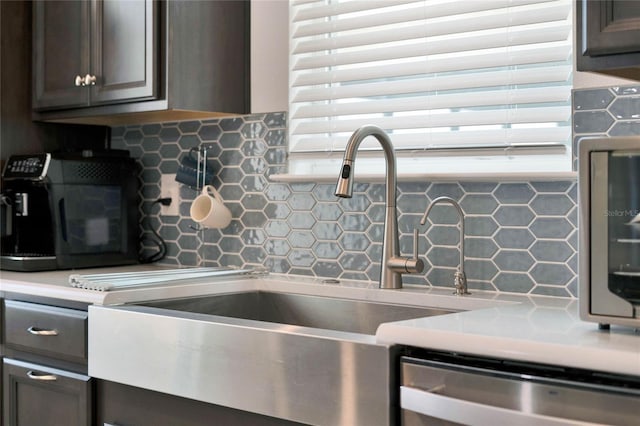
column 435, row 177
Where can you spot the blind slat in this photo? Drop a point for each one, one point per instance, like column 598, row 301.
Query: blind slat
column 425, row 103
column 407, row 86
column 417, row 141
column 434, row 10
column 453, row 119
column 333, row 9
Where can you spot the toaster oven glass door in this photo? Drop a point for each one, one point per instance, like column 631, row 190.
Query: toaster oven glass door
column 615, row 230
column 92, row 219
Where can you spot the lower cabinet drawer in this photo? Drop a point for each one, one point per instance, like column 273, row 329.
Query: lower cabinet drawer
column 46, row 330
column 43, row 396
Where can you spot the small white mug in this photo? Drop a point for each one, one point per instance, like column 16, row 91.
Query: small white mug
column 208, row 209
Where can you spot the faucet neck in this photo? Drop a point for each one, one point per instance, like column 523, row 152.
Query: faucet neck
column 389, row 276
column 390, row 157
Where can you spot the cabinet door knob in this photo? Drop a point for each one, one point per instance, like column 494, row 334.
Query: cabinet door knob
column 42, row 331
column 34, row 375
column 89, row 80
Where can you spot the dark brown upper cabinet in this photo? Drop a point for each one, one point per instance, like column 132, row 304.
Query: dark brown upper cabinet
column 608, row 37
column 93, row 53
column 134, row 61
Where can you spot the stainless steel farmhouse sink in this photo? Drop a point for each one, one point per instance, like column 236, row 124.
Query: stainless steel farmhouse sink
column 308, row 359
column 329, row 313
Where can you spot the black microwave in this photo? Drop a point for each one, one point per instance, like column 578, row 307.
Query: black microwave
column 69, row 210
column 609, row 230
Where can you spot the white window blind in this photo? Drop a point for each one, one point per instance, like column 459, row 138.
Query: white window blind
column 454, row 83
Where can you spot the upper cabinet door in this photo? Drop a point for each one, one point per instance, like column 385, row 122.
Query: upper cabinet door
column 608, row 37
column 123, row 53
column 612, row 27
column 60, row 53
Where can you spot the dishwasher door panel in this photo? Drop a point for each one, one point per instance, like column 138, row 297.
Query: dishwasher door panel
column 436, row 393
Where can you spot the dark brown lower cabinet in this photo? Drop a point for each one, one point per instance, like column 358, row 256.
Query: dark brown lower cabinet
column 122, row 405
column 1, row 349
column 45, row 381
column 2, row 376
column 43, row 396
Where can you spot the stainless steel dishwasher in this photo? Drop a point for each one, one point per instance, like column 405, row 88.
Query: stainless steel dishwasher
column 446, row 389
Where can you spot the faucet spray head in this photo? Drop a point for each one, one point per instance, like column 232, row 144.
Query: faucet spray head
column 344, row 188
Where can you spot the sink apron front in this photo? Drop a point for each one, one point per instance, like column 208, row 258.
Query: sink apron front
column 319, row 377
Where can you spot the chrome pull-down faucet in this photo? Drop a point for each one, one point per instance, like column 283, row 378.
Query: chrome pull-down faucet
column 393, row 266
column 459, row 279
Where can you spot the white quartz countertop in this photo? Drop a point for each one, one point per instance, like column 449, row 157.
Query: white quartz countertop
column 536, row 329
column 542, row 330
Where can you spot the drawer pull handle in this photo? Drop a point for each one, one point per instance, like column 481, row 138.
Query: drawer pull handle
column 41, row 376
column 42, row 331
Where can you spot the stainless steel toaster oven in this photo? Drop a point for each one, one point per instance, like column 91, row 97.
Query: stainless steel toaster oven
column 609, row 228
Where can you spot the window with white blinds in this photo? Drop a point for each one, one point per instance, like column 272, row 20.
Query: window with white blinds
column 459, row 86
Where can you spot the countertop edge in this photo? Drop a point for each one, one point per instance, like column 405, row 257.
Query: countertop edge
column 620, row 358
